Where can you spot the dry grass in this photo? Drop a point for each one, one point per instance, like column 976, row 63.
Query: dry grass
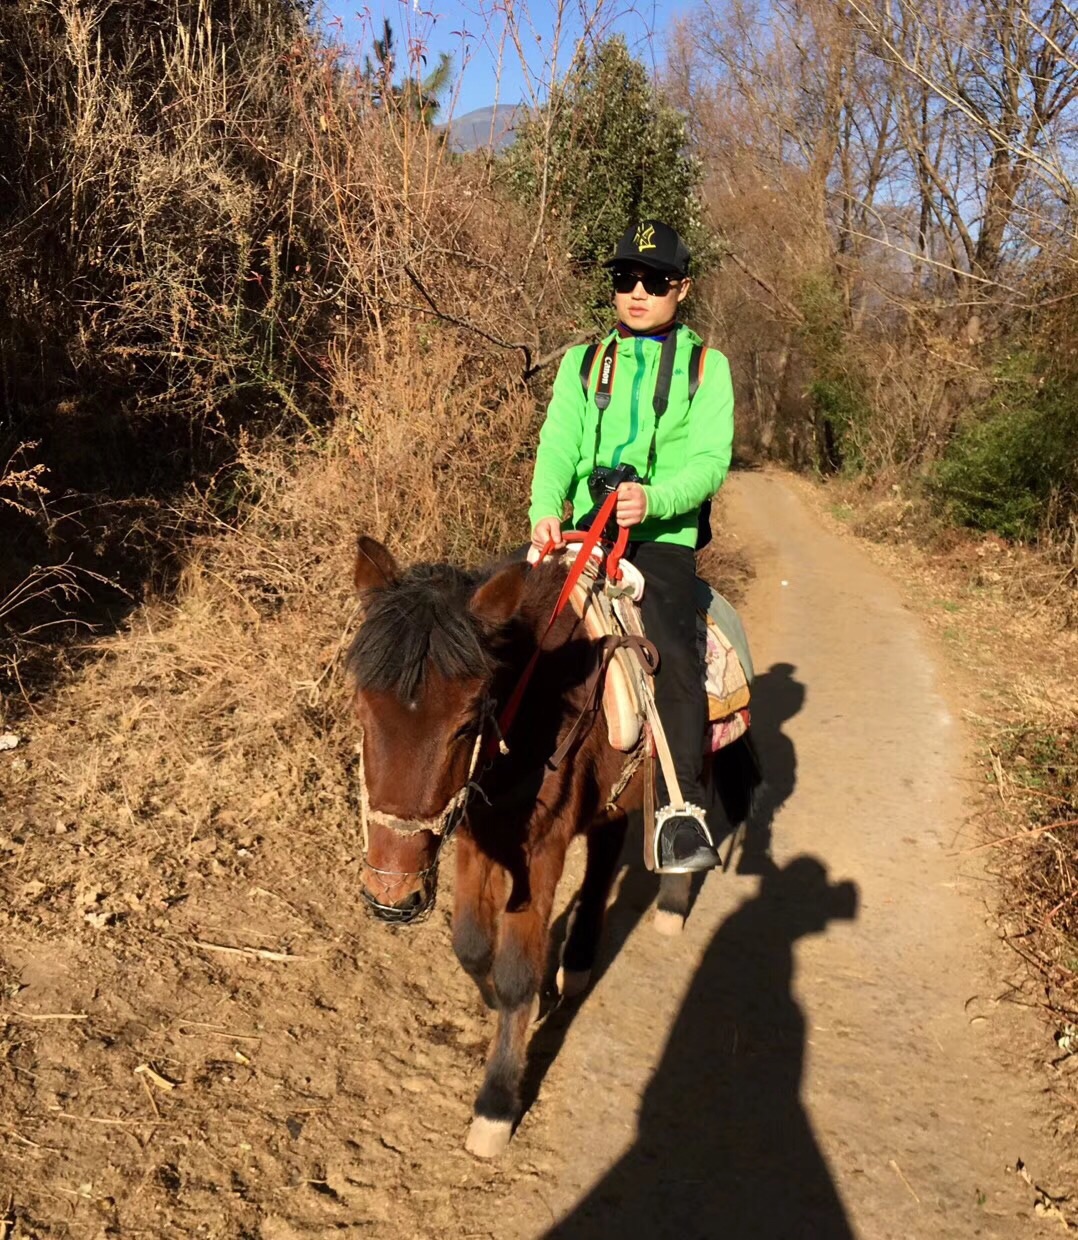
column 216, row 236
column 194, row 785
column 1036, row 767
column 1040, row 581
column 234, row 683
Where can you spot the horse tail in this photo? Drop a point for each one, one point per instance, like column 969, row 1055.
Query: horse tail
column 737, row 774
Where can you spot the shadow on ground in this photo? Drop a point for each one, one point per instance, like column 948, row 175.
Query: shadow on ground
column 724, row 1146
column 777, row 695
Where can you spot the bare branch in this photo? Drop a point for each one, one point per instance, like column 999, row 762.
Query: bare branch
column 784, row 303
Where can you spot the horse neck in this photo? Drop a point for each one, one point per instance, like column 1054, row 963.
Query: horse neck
column 558, row 685
column 555, row 636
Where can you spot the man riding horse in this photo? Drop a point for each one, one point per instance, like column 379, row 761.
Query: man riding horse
column 443, row 657
column 650, row 412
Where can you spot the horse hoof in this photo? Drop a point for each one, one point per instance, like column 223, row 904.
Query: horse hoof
column 488, row 1138
column 668, row 924
column 572, row 982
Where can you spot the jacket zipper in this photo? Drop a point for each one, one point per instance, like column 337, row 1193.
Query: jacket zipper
column 634, row 403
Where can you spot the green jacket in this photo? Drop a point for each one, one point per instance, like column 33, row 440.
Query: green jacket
column 692, row 450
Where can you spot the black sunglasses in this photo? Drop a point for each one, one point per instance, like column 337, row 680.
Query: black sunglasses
column 656, row 283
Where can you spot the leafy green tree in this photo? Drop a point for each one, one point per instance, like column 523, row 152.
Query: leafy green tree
column 604, row 151
column 416, row 96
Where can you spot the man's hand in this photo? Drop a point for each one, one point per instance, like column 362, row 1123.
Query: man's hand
column 547, row 530
column 632, row 504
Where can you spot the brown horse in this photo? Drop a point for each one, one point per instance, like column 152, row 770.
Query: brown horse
column 437, row 655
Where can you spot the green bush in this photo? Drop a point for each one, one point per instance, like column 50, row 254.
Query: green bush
column 606, row 151
column 1013, row 466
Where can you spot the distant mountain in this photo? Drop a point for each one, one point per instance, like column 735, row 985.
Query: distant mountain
column 485, row 128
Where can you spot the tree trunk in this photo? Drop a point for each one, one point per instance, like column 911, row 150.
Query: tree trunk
column 768, row 398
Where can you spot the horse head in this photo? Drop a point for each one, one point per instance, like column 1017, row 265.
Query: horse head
column 422, row 666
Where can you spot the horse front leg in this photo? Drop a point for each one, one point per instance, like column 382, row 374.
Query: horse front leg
column 478, row 896
column 604, row 840
column 517, row 974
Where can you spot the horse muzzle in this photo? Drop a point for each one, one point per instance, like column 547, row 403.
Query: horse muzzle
column 400, row 873
column 411, row 908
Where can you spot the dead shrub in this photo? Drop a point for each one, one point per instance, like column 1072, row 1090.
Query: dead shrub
column 1036, row 767
column 214, row 234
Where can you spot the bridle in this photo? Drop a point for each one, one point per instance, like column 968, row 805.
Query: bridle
column 442, row 825
column 493, row 727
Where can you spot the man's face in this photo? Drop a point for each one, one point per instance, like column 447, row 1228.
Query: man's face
column 641, row 309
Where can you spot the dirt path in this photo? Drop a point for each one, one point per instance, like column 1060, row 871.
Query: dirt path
column 818, row 1056
column 830, row 1070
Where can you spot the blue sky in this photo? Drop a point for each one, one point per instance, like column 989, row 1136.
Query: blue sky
column 476, row 34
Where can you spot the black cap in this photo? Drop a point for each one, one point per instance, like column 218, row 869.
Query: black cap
column 652, row 243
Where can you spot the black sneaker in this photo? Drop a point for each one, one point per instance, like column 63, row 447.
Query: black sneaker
column 683, row 844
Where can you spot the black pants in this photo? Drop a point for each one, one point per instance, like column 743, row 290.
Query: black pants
column 668, row 609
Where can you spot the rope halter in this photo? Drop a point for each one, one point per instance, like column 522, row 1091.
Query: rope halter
column 441, row 825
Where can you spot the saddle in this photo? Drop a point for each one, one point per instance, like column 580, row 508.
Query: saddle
column 606, row 609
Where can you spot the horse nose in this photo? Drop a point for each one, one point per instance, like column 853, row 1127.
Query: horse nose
column 403, row 910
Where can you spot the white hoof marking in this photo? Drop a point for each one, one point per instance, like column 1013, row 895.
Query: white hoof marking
column 667, row 923
column 487, row 1138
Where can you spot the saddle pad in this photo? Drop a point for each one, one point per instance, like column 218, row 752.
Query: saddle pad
column 725, row 676
column 723, row 732
column 727, row 684
column 723, row 615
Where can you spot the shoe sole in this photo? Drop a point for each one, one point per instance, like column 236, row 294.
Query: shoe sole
column 693, row 866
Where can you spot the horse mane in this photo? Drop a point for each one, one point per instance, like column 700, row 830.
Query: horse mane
column 424, row 617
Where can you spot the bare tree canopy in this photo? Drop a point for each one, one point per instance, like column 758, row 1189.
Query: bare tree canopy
column 895, row 182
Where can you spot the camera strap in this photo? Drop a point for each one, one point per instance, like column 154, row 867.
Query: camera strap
column 663, row 379
column 603, row 388
column 661, row 399
column 606, row 375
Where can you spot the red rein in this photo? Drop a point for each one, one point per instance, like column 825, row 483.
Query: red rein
column 588, row 541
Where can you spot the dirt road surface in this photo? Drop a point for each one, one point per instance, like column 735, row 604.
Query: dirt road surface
column 823, row 1053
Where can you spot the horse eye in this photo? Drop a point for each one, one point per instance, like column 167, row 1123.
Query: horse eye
column 468, row 730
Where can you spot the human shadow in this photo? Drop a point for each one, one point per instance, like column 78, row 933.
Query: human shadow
column 777, row 695
column 724, row 1147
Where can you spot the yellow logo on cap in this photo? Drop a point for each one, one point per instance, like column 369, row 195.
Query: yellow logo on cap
column 645, row 238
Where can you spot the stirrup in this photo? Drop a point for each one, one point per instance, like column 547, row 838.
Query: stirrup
column 700, row 862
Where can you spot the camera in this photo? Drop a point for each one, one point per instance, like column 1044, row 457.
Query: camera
column 601, row 481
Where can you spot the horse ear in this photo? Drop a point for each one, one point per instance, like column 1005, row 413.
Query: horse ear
column 496, row 600
column 375, row 566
